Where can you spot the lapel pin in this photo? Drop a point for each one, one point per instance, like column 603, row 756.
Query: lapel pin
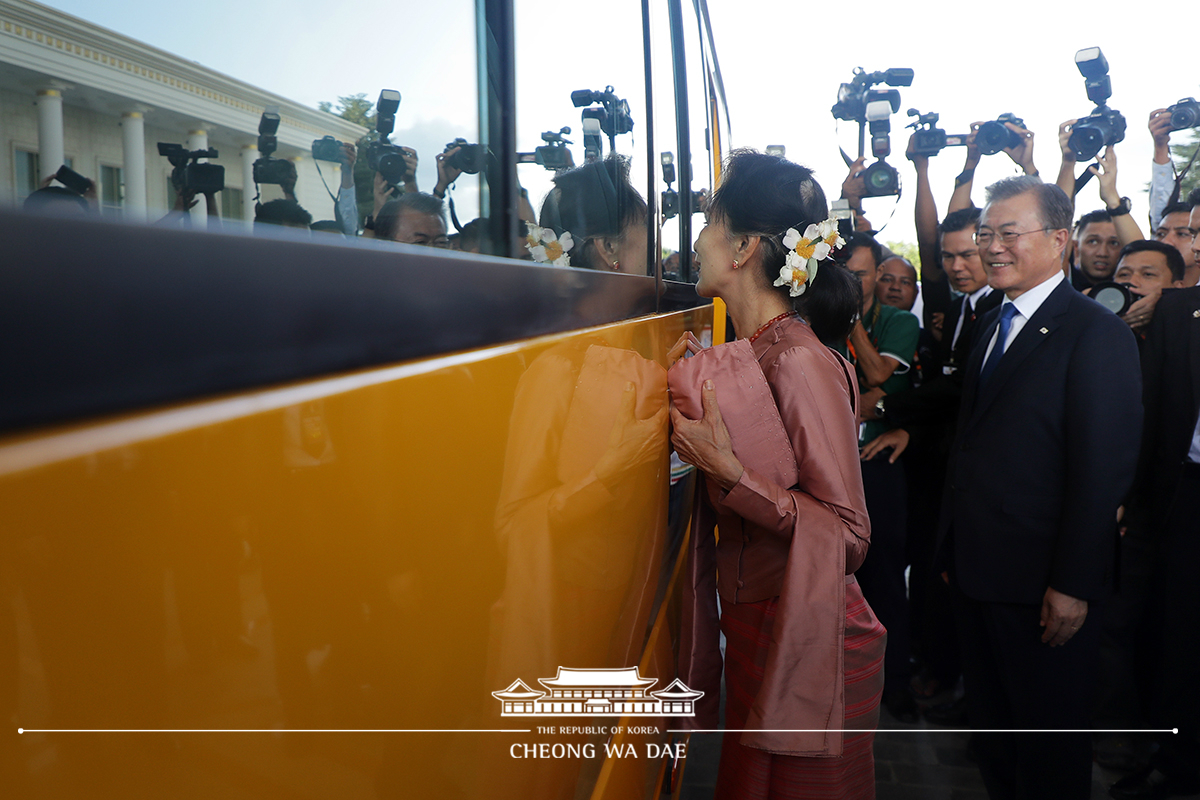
column 1196, row 313
column 1047, row 330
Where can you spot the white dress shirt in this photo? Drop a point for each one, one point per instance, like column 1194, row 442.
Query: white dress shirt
column 969, row 301
column 1026, row 304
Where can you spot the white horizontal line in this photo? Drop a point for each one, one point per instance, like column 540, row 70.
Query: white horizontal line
column 271, row 730
column 927, row 730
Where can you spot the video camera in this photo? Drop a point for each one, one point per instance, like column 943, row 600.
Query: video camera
column 928, row 138
column 994, row 136
column 553, row 155
column 189, row 176
column 1104, row 126
column 858, row 102
column 268, row 169
column 1185, row 114
column 382, row 156
column 611, row 118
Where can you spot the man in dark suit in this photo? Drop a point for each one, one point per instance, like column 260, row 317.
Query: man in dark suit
column 1047, row 444
column 1169, row 492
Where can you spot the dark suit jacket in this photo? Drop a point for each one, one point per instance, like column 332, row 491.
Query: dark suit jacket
column 1045, row 453
column 936, row 400
column 1171, row 376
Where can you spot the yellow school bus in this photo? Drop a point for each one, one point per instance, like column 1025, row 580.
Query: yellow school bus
column 293, row 516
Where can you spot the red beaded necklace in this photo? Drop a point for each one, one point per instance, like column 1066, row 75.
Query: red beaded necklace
column 769, row 323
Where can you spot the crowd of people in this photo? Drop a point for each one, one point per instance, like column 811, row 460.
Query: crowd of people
column 1023, row 517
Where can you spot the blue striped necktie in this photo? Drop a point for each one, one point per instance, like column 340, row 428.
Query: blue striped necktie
column 1006, row 317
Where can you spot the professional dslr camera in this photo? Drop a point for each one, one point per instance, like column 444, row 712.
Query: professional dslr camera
column 1116, row 297
column 189, row 176
column 328, row 148
column 994, row 136
column 470, row 158
column 268, row 169
column 928, row 138
column 382, row 156
column 858, row 102
column 1104, row 126
column 1185, row 114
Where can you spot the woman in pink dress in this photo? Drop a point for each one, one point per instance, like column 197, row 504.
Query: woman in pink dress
column 803, row 659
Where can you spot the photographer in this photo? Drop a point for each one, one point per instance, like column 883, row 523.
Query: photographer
column 1096, row 250
column 61, row 201
column 1175, row 229
column 284, row 212
column 1146, row 268
column 346, row 206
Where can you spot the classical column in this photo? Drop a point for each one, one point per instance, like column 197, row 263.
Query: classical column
column 249, row 156
column 133, row 136
column 198, row 140
column 50, row 132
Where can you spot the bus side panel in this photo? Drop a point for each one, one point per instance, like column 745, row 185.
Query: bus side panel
column 378, row 551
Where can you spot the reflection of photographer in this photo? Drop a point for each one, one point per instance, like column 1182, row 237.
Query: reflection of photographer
column 76, row 195
column 346, row 202
column 190, row 177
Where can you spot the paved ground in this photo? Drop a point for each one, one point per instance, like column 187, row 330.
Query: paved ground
column 912, row 762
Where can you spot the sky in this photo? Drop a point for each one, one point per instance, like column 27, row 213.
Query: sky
column 781, row 63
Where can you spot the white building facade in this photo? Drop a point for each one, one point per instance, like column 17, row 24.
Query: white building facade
column 77, row 94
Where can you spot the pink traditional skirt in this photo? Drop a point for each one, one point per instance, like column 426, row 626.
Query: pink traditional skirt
column 747, row 773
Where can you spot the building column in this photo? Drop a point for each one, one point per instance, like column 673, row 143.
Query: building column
column 249, row 156
column 50, row 132
column 133, row 136
column 198, row 140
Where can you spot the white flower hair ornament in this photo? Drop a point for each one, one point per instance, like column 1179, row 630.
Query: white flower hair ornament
column 804, row 252
column 546, row 248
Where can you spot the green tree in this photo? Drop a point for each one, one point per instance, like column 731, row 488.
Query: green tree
column 1180, row 153
column 354, row 107
column 907, row 250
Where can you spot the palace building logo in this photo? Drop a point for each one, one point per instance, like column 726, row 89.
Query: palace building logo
column 620, row 692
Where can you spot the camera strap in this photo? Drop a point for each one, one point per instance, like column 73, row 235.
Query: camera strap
column 332, row 196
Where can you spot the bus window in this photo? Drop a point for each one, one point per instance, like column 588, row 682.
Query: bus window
column 581, row 127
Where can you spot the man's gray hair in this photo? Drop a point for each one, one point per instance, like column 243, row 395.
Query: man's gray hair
column 1054, row 207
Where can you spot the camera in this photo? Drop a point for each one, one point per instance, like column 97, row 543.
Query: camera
column 470, row 158
column 881, row 179
column 1116, row 297
column 851, row 102
column 553, row 155
column 611, row 118
column 1104, row 126
column 994, row 136
column 268, row 169
column 614, row 119
column 328, row 148
column 382, row 156
column 928, row 138
column 190, row 176
column 1185, row 114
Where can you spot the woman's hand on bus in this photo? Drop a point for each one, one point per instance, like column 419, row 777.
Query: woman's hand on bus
column 688, row 344
column 705, row 443
column 631, row 441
